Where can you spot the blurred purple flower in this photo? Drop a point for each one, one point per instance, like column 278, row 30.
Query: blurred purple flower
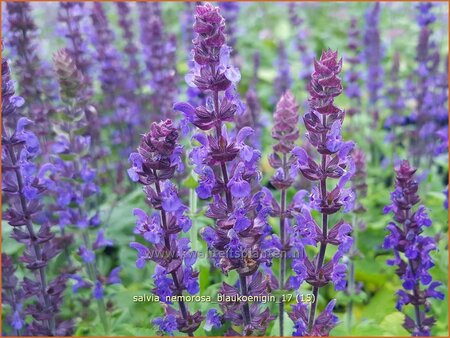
column 406, row 238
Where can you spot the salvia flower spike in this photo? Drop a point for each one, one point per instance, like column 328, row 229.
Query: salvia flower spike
column 373, row 55
column 396, row 104
column 77, row 180
column 283, row 81
column 160, row 60
column 154, row 166
column 323, row 123
column 227, row 169
column 285, row 132
column 412, row 251
column 71, row 16
column 31, row 70
column 301, row 38
column 24, row 185
column 353, row 76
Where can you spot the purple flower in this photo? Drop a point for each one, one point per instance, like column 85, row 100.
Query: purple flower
column 406, row 237
column 80, row 283
column 33, row 73
column 166, row 325
column 230, row 11
column 227, row 166
column 154, row 166
column 119, row 101
column 305, row 52
column 159, row 49
column 23, row 186
column 87, row 255
column 430, row 92
column 71, row 16
column 283, row 81
column 213, row 319
column 97, row 292
column 74, row 171
column 251, row 115
column 373, row 55
column 114, row 277
column 101, row 241
column 323, row 123
column 353, row 76
column 148, row 227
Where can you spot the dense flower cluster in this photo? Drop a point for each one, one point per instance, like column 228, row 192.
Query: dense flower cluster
column 23, row 185
column 270, row 221
column 31, row 70
column 323, row 123
column 228, row 173
column 430, row 91
column 134, row 82
column 160, row 59
column 353, row 76
column 153, row 166
column 119, row 102
column 411, row 251
column 373, row 54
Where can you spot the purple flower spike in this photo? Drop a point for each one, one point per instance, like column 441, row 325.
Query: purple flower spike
column 35, row 77
column 373, row 55
column 154, row 167
column 119, row 102
column 159, row 49
column 71, row 16
column 406, row 238
column 285, row 132
column 228, row 172
column 430, row 92
column 323, row 123
column 353, row 76
column 72, row 169
column 305, row 52
column 283, row 80
column 396, row 104
column 24, row 188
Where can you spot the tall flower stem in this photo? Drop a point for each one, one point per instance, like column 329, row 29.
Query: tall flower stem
column 229, row 201
column 412, row 251
column 416, row 289
column 283, row 249
column 285, row 133
column 30, row 229
column 351, row 277
column 323, row 244
column 167, row 244
column 92, row 273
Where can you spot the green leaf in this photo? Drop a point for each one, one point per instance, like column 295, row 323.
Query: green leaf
column 190, row 182
column 288, row 326
column 392, row 325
